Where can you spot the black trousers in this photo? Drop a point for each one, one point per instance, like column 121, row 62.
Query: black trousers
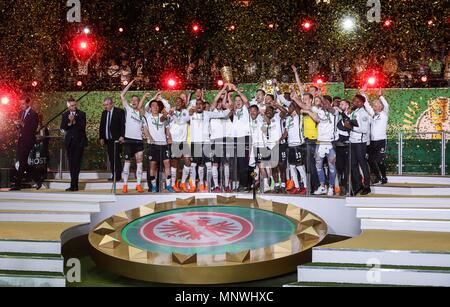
column 342, row 162
column 377, row 156
column 242, row 152
column 311, row 164
column 111, row 153
column 359, row 161
column 23, row 151
column 75, row 156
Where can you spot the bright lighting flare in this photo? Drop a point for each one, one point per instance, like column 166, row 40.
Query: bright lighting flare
column 5, row 100
column 125, row 83
column 157, row 29
column 271, row 25
column 388, row 23
column 307, row 25
column 348, row 24
column 34, row 83
column 87, row 30
column 232, row 27
column 195, row 27
column 121, row 30
column 424, row 79
column 371, row 81
column 319, row 81
column 83, row 45
column 220, row 83
column 171, row 82
column 79, row 83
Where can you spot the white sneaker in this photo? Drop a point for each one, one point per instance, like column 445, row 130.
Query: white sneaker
column 321, row 191
column 330, row 191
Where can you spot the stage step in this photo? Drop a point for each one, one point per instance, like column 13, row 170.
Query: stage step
column 384, row 257
column 32, row 247
column 59, row 197
column 45, row 216
column 384, row 275
column 404, row 224
column 31, row 262
column 10, row 278
column 418, row 191
column 403, row 213
column 399, row 202
column 47, row 205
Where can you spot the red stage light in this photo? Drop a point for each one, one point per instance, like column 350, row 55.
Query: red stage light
column 307, row 25
column 34, row 83
column 232, row 27
column 5, row 100
column 424, row 79
column 83, row 45
column 430, row 22
column 220, row 83
column 79, row 83
column 171, row 82
column 388, row 23
column 271, row 25
column 319, row 81
column 157, row 29
column 195, row 28
column 125, row 83
column 372, row 81
column 121, row 30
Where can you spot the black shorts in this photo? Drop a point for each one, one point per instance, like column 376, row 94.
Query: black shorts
column 198, row 154
column 178, row 150
column 296, row 155
column 132, row 147
column 158, row 153
column 377, row 151
column 283, row 153
column 221, row 151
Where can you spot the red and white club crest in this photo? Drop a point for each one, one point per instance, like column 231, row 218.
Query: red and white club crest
column 196, row 229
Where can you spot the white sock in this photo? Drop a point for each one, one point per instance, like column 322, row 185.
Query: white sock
column 186, row 171
column 194, row 173
column 201, row 174
column 226, row 170
column 302, row 171
column 294, row 176
column 257, row 173
column 215, row 176
column 139, row 168
column 173, row 173
column 208, row 173
column 126, row 172
column 266, row 184
column 169, row 182
column 288, row 173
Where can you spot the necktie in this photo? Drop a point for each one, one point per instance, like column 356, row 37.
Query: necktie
column 108, row 126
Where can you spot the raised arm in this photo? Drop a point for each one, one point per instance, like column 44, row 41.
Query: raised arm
column 297, row 79
column 383, row 101
column 367, row 105
column 221, row 93
column 141, row 103
column 298, row 101
column 124, row 93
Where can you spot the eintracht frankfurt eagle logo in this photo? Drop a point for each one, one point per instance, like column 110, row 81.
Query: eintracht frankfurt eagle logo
column 196, row 229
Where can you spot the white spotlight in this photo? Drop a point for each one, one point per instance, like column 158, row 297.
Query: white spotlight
column 348, row 24
column 86, row 30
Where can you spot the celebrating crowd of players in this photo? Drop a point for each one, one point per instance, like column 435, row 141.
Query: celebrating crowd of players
column 282, row 143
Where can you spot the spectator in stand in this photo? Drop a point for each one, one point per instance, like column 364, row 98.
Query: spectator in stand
column 422, row 65
column 405, row 70
column 113, row 72
column 139, row 73
column 313, row 68
column 335, row 71
column 435, row 66
column 390, row 67
column 447, row 68
column 125, row 72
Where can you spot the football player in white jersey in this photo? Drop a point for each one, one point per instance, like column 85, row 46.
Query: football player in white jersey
column 199, row 131
column 296, row 154
column 155, row 130
column 379, row 111
column 327, row 134
column 273, row 132
column 258, row 152
column 177, row 139
column 134, row 147
column 218, row 129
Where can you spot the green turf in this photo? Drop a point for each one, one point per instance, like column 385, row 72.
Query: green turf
column 31, row 256
column 330, row 284
column 32, row 274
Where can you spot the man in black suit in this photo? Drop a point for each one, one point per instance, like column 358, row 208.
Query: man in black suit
column 112, row 129
column 27, row 124
column 74, row 124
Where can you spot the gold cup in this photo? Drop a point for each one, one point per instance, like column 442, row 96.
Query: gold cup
column 227, row 74
column 438, row 110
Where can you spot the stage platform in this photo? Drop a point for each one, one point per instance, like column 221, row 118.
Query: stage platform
column 34, row 225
